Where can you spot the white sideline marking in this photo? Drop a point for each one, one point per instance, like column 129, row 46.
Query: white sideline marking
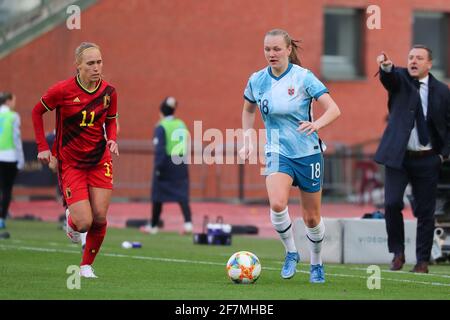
column 434, row 274
column 117, row 255
column 441, row 275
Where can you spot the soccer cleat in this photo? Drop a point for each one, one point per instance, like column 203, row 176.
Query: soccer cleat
column 149, row 229
column 72, row 234
column 317, row 273
column 187, row 227
column 290, row 264
column 2, row 224
column 86, row 271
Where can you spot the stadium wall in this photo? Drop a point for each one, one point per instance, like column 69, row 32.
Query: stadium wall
column 203, row 52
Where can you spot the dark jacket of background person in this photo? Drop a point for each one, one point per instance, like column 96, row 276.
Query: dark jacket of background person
column 170, row 179
column 402, row 104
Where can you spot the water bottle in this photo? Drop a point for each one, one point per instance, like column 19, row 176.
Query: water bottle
column 129, row 245
column 436, row 249
column 136, row 244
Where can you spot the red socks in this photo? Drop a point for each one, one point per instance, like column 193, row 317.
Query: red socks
column 94, row 240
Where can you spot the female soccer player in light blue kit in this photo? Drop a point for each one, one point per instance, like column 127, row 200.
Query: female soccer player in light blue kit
column 284, row 92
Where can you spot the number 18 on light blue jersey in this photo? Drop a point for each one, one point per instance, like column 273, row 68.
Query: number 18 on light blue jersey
column 284, row 102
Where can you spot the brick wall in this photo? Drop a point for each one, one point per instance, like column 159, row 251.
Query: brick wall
column 203, row 52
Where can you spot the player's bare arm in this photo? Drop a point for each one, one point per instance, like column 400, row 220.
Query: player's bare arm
column 248, row 119
column 331, row 113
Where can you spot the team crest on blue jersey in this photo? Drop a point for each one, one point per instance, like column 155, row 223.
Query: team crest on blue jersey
column 106, row 101
column 291, row 91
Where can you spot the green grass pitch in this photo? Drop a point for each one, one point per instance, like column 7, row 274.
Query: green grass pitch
column 169, row 266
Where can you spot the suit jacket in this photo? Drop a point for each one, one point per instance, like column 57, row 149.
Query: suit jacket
column 403, row 101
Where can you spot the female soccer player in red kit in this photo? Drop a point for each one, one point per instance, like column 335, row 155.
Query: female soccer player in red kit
column 86, row 129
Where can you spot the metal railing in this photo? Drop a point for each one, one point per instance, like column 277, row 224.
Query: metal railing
column 233, row 182
column 210, row 180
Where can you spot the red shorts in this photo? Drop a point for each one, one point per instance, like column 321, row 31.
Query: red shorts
column 75, row 182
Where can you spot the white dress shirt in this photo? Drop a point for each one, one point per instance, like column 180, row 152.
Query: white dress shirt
column 413, row 143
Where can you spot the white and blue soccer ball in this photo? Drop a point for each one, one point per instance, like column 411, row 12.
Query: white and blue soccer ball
column 243, row 267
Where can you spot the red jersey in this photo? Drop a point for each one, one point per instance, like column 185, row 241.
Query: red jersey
column 81, row 116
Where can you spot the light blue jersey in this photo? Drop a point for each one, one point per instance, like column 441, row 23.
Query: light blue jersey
column 284, row 101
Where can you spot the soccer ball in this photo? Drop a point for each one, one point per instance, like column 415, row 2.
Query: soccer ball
column 243, row 267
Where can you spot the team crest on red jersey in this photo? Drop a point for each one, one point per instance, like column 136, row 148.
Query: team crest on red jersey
column 68, row 193
column 291, row 91
column 106, row 101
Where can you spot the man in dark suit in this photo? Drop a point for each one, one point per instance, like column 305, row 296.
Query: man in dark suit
column 415, row 143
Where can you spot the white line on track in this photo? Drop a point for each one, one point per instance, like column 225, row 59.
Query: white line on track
column 116, row 255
